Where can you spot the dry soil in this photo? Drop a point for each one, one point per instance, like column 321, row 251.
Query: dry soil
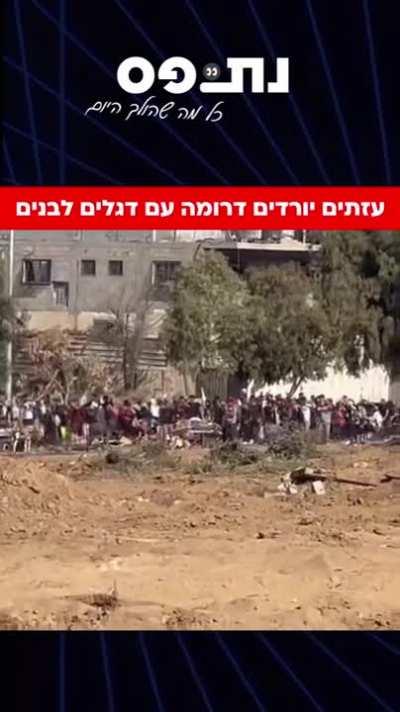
column 83, row 547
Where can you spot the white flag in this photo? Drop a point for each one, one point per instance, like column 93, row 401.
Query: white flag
column 250, row 388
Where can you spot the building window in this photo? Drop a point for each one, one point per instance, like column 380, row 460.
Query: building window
column 88, row 268
column 115, row 268
column 36, row 271
column 61, row 293
column 164, row 273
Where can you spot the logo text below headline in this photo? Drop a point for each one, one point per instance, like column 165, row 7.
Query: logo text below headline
column 337, row 208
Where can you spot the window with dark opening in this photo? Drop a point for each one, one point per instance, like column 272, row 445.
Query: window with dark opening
column 164, row 273
column 36, row 271
column 115, row 268
column 88, row 268
column 61, row 293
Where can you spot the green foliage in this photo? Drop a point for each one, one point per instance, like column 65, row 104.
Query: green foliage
column 288, row 329
column 350, row 297
column 288, row 323
column 203, row 329
column 360, row 277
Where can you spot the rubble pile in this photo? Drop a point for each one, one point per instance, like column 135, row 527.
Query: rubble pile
column 317, row 480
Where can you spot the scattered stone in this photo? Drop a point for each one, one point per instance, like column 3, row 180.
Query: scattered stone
column 318, row 487
column 34, row 489
column 378, row 531
column 286, row 486
column 274, row 534
column 306, row 521
column 358, row 500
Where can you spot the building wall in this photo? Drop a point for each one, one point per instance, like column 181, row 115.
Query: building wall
column 245, row 256
column 89, row 296
column 394, row 390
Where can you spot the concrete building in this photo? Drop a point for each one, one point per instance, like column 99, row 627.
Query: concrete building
column 242, row 255
column 68, row 279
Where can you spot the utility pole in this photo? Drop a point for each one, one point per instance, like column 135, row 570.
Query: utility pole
column 9, row 386
column 75, row 305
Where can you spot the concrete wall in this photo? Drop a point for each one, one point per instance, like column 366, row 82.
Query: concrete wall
column 374, row 385
column 89, row 295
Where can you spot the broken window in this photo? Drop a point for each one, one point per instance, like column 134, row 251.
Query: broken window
column 88, row 268
column 115, row 268
column 61, row 293
column 36, row 271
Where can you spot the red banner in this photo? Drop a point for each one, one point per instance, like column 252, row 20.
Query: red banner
column 229, row 208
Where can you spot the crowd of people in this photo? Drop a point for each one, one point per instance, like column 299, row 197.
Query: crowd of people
column 247, row 418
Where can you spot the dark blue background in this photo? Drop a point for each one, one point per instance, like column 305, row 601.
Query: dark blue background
column 200, row 672
column 339, row 125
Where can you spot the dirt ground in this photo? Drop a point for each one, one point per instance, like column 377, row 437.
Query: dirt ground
column 89, row 548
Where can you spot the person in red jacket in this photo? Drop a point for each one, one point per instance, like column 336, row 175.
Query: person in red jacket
column 126, row 416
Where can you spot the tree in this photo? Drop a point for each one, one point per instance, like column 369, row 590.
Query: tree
column 291, row 323
column 125, row 328
column 54, row 368
column 360, row 275
column 203, row 329
column 350, row 295
column 288, row 331
column 385, row 263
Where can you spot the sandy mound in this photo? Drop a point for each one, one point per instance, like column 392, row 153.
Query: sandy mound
column 32, row 490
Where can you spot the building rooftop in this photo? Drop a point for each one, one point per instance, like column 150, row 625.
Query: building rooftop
column 287, row 244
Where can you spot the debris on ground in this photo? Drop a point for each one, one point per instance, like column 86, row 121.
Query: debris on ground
column 389, row 477
column 302, row 475
column 72, row 524
column 286, row 486
column 280, row 444
column 318, row 487
column 105, row 601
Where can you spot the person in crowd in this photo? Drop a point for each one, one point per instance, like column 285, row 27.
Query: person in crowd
column 249, row 418
column 126, row 416
column 305, row 412
column 231, row 421
column 324, row 417
column 193, row 408
column 166, row 420
column 217, row 411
